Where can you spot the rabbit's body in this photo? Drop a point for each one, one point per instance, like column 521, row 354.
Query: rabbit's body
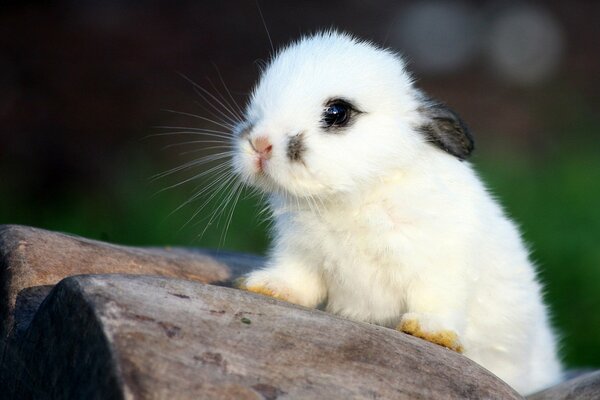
column 378, row 224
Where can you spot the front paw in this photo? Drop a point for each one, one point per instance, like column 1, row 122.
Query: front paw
column 427, row 328
column 251, row 283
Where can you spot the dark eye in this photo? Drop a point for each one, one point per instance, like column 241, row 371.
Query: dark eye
column 337, row 113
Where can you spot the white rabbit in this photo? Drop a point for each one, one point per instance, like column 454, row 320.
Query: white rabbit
column 376, row 215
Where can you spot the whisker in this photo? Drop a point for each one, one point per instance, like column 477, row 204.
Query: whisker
column 225, row 199
column 223, row 124
column 232, row 108
column 192, row 163
column 223, row 188
column 221, row 147
column 220, row 142
column 200, row 193
column 196, row 133
column 239, row 191
column 197, row 176
column 266, row 29
column 239, row 109
column 219, row 116
column 196, row 196
column 230, row 117
column 191, row 129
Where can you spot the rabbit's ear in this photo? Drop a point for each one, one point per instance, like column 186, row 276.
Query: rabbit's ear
column 444, row 128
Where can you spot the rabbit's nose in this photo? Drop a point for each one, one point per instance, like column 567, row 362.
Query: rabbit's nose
column 262, row 146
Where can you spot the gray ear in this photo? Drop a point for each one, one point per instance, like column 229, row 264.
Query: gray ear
column 444, row 128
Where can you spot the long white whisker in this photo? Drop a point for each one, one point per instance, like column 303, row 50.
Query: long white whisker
column 223, row 124
column 231, row 117
column 239, row 191
column 236, row 105
column 222, row 144
column 190, row 129
column 219, row 211
column 226, row 103
column 197, row 195
column 197, row 176
column 218, row 180
column 265, row 25
column 201, row 192
column 192, row 163
column 197, row 133
column 219, row 115
column 224, row 187
column 229, row 177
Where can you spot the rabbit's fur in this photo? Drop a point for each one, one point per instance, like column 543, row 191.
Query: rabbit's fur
column 380, row 219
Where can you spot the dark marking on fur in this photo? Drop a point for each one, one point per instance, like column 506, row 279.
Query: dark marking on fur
column 444, row 128
column 296, row 147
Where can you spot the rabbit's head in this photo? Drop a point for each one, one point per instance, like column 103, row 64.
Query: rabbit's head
column 332, row 114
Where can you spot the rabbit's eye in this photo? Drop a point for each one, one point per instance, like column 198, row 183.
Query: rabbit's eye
column 337, row 113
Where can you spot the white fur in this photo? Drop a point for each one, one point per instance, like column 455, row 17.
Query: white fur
column 378, row 224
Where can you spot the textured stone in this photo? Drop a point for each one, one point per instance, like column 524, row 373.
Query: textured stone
column 140, row 337
column 33, row 258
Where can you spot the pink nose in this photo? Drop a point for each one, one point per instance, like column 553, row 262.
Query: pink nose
column 262, row 146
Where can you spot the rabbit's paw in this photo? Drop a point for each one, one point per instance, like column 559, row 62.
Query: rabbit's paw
column 427, row 328
column 250, row 284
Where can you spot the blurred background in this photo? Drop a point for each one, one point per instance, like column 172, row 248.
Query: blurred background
column 85, row 84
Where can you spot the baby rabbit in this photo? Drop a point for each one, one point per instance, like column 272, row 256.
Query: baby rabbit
column 378, row 218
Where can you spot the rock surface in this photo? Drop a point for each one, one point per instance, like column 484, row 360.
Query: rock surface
column 32, row 260
column 117, row 336
column 583, row 387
